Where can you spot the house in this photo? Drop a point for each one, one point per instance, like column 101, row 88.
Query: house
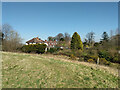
column 34, row 41
column 50, row 44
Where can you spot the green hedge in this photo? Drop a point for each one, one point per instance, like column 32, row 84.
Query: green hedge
column 34, row 48
column 52, row 50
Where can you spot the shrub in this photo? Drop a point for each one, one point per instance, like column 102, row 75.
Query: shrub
column 36, row 48
column 77, row 53
column 52, row 50
column 84, row 54
column 81, row 59
column 64, row 52
column 108, row 63
column 72, row 57
column 90, row 60
column 86, row 57
column 112, row 57
column 104, row 54
column 92, row 51
column 26, row 49
column 116, row 60
column 87, row 46
column 96, row 44
column 103, row 61
column 94, row 57
column 40, row 48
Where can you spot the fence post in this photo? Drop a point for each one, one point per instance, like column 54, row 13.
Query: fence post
column 98, row 61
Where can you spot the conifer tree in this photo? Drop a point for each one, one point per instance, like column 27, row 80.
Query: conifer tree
column 76, row 43
column 105, row 37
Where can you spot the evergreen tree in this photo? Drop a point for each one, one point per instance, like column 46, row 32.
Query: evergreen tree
column 76, row 42
column 105, row 37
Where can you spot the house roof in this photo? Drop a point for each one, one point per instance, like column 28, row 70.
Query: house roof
column 37, row 40
column 34, row 40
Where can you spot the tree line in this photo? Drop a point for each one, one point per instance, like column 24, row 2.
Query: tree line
column 10, row 39
column 107, row 48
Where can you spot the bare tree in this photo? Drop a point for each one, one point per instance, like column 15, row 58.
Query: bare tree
column 11, row 39
column 1, row 38
column 59, row 36
column 117, row 31
column 114, row 37
column 6, row 28
column 90, row 36
column 111, row 34
column 67, row 37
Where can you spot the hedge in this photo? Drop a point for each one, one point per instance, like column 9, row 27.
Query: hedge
column 35, row 48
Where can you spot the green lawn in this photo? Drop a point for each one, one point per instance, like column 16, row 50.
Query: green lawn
column 22, row 70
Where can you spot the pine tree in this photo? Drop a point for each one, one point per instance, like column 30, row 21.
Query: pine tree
column 76, row 42
column 105, row 37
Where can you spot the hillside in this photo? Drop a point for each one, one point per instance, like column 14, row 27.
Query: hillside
column 22, row 70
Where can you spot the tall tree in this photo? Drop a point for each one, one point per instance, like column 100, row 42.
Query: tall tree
column 1, row 38
column 76, row 42
column 67, row 37
column 11, row 39
column 6, row 28
column 90, row 36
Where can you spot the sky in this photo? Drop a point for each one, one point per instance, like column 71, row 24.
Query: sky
column 43, row 19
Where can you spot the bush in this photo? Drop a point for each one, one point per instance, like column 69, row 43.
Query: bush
column 91, row 61
column 52, row 50
column 108, row 63
column 86, row 57
column 72, row 57
column 36, row 48
column 94, row 58
column 112, row 57
column 105, row 54
column 116, row 60
column 87, row 46
column 104, row 61
column 40, row 48
column 26, row 49
column 96, row 44
column 84, row 54
column 77, row 53
column 64, row 52
column 81, row 59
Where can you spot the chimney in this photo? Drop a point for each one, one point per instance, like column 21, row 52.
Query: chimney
column 37, row 38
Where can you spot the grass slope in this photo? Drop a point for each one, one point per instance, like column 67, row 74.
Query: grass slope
column 42, row 71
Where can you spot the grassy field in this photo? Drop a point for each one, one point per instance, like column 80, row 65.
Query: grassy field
column 22, row 70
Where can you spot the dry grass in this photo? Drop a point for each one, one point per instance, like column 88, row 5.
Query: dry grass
column 111, row 70
column 21, row 70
